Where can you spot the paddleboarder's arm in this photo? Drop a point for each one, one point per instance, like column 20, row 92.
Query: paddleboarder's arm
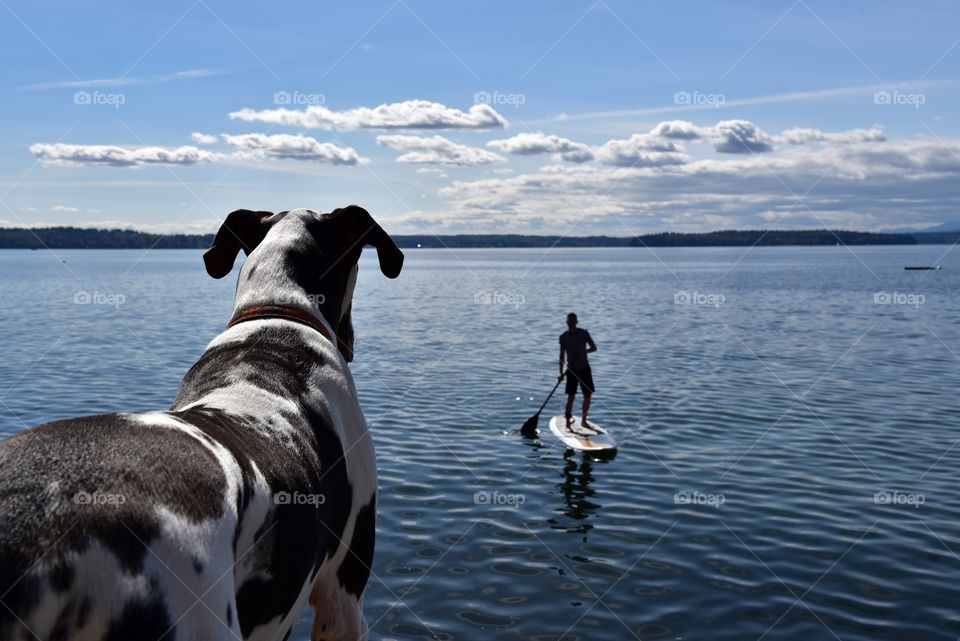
column 591, row 346
column 561, row 361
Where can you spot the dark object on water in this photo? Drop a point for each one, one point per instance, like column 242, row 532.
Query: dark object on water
column 922, row 267
column 530, row 427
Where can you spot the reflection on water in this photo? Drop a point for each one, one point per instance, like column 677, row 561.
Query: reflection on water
column 577, row 494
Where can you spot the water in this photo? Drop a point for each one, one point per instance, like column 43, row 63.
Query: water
column 788, row 455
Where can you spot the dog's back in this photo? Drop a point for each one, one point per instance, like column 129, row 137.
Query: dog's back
column 159, row 525
column 89, row 505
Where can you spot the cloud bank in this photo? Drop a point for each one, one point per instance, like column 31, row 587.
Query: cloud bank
column 410, row 114
column 116, row 156
column 437, row 150
column 298, row 147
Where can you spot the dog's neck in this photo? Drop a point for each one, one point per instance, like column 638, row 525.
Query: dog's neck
column 285, row 271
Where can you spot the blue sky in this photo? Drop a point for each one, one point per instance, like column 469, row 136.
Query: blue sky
column 541, row 117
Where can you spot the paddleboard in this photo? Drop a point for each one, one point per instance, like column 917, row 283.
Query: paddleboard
column 573, row 434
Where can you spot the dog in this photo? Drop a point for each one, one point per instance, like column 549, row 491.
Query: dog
column 254, row 494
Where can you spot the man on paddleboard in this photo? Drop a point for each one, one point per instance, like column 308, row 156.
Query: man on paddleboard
column 576, row 344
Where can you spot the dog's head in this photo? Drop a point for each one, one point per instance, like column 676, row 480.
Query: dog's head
column 302, row 258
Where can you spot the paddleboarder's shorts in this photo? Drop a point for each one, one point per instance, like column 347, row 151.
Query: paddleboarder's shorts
column 583, row 378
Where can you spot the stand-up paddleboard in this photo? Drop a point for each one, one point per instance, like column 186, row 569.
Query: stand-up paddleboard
column 579, row 437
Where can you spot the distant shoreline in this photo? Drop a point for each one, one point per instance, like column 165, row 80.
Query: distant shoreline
column 83, row 238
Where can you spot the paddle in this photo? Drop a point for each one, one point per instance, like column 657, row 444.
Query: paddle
column 530, row 427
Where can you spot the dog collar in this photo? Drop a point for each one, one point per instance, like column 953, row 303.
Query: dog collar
column 285, row 312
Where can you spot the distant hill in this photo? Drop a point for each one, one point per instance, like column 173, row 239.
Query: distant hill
column 771, row 238
column 83, row 238
column 953, row 226
column 509, row 240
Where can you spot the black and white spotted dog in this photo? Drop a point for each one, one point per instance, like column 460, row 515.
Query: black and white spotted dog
column 254, row 494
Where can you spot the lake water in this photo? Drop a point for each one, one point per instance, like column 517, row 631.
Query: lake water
column 788, row 421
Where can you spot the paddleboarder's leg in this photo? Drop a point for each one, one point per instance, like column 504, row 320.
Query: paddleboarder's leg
column 571, row 390
column 586, row 386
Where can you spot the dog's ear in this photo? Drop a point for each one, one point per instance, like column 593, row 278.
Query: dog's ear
column 243, row 229
column 367, row 232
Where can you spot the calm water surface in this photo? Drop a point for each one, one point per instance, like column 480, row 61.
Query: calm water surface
column 789, row 445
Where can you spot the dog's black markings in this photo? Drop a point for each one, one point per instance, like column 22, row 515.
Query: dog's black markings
column 355, row 569
column 142, row 619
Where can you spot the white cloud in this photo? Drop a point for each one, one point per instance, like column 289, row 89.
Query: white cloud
column 804, row 136
column 433, row 171
column 641, row 150
column 65, row 209
column 437, row 150
column 410, row 114
column 298, row 147
column 740, row 137
column 679, row 130
column 528, row 144
column 116, row 156
column 203, row 139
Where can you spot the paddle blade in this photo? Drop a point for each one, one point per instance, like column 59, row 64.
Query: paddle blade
column 530, row 427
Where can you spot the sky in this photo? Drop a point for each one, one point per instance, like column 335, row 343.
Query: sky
column 543, row 117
